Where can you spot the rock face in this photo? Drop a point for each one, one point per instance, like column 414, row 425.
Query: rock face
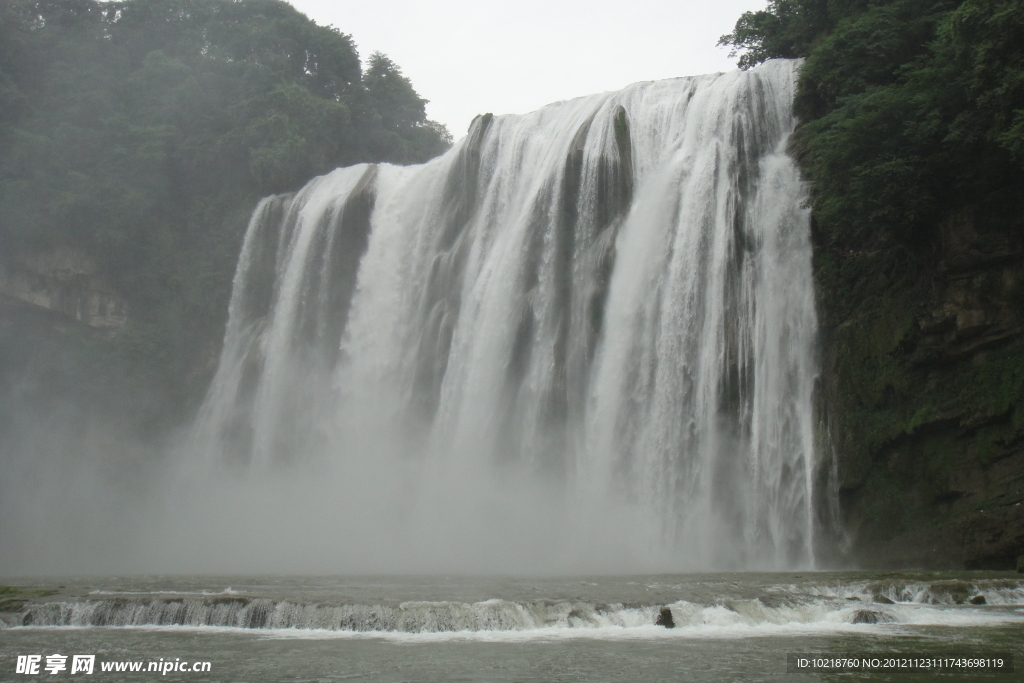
column 922, row 397
column 64, row 281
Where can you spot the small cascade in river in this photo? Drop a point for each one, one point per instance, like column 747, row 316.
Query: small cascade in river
column 606, row 303
column 692, row 606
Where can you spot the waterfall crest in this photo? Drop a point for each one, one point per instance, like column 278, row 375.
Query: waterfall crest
column 607, row 303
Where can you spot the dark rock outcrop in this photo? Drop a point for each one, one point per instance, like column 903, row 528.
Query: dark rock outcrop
column 866, row 616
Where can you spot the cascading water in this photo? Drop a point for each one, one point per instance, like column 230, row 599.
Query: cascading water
column 607, row 303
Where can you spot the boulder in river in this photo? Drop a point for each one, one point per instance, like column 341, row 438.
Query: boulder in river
column 867, row 616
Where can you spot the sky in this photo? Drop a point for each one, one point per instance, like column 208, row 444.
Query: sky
column 474, row 56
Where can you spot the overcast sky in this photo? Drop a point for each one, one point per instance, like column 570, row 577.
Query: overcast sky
column 473, row 56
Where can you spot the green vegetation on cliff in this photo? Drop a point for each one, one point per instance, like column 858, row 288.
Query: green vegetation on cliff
column 142, row 133
column 912, row 135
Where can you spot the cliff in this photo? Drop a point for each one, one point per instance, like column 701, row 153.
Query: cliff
column 64, row 281
column 922, row 373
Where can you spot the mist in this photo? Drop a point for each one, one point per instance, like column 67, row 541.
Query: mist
column 88, row 501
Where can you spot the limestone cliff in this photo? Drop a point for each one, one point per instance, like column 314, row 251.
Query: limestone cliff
column 64, row 281
column 922, row 376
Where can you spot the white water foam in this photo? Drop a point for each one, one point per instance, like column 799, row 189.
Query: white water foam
column 496, row 619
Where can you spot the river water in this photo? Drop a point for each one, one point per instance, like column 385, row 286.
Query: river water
column 728, row 626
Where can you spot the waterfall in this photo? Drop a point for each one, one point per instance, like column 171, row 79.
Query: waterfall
column 607, row 302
